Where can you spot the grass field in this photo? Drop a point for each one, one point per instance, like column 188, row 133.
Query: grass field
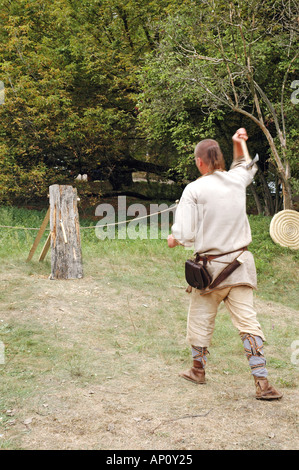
column 277, row 267
column 93, row 363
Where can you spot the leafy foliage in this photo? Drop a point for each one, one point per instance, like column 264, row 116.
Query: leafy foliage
column 97, row 86
column 219, row 59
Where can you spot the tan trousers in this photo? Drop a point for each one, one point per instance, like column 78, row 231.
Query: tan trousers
column 203, row 310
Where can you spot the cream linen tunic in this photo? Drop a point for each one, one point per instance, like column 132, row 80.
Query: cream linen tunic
column 211, row 217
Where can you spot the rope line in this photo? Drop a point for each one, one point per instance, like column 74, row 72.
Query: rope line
column 20, row 228
column 95, row 226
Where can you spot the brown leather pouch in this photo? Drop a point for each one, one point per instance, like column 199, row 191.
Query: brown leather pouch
column 196, row 274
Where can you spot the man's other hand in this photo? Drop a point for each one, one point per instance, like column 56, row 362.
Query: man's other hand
column 172, row 242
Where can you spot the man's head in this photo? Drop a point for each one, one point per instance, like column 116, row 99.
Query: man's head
column 208, row 156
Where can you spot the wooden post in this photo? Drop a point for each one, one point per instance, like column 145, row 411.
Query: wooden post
column 66, row 256
column 45, row 248
column 39, row 235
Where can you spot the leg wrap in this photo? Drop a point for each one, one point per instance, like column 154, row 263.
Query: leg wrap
column 253, row 346
column 200, row 354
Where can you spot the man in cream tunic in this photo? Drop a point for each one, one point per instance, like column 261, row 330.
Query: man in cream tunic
column 211, row 217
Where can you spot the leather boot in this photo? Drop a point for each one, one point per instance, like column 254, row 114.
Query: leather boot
column 265, row 391
column 196, row 374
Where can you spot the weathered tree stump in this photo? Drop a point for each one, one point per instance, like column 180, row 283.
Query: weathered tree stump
column 66, row 255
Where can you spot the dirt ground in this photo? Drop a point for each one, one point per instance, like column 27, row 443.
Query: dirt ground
column 132, row 401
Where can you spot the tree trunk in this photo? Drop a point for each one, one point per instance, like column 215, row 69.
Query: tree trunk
column 256, row 198
column 287, row 195
column 278, row 199
column 66, row 257
column 269, row 206
column 283, row 172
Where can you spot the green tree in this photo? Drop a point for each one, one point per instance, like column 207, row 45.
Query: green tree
column 69, row 69
column 37, row 100
column 237, row 56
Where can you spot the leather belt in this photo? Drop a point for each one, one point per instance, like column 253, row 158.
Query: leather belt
column 206, row 258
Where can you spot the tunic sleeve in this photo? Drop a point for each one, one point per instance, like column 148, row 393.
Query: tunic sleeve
column 239, row 168
column 187, row 223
